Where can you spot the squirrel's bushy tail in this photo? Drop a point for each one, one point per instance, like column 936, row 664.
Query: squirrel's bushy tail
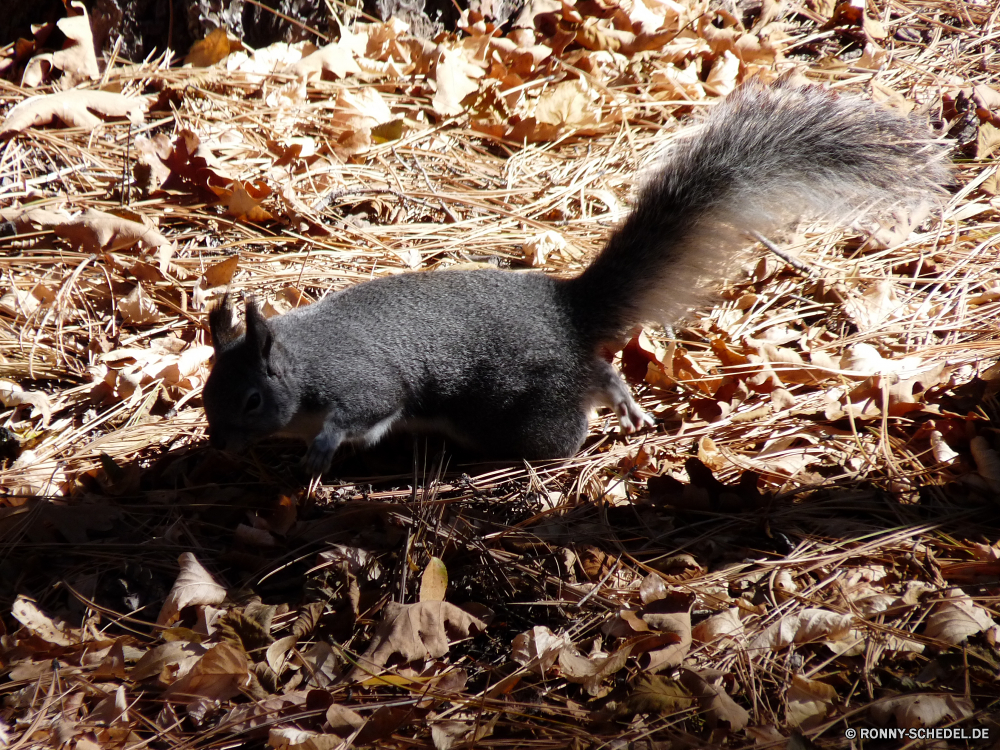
column 766, row 155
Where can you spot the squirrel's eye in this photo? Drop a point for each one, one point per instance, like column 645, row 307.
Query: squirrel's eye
column 253, row 402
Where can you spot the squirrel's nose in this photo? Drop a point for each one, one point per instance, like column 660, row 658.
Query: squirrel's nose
column 217, row 440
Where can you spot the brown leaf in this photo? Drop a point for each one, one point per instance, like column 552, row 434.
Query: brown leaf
column 719, row 708
column 915, row 711
column 210, row 50
column 416, row 632
column 218, row 675
column 243, row 199
column 957, row 618
column 137, row 308
column 77, row 57
column 654, row 694
column 808, row 702
column 74, row 108
column 95, row 230
column 194, row 585
column 221, row 273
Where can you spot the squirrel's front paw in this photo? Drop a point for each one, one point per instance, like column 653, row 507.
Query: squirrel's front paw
column 631, row 416
column 320, row 453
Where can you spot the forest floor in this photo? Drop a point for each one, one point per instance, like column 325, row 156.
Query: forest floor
column 804, row 551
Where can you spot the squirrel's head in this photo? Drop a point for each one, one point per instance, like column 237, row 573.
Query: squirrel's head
column 247, row 394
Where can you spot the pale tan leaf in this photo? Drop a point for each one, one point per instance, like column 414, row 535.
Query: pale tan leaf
column 96, row 230
column 915, row 711
column 194, row 585
column 74, row 108
column 590, row 671
column 456, row 77
column 808, row 702
column 12, row 394
column 77, row 57
column 726, row 624
column 568, row 105
column 336, row 59
column 810, row 624
column 434, row 581
column 28, row 614
column 137, row 308
column 538, row 648
column 169, row 661
column 957, row 618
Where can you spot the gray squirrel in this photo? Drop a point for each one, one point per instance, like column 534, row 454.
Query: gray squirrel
column 508, row 364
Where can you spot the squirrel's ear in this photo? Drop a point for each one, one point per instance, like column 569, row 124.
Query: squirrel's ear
column 220, row 323
column 258, row 330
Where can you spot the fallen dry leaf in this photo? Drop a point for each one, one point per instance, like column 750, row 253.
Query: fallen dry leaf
column 808, row 625
column 957, row 618
column 434, row 581
column 194, row 585
column 74, row 108
column 416, row 632
column 77, row 57
column 808, row 702
column 915, row 711
column 218, row 675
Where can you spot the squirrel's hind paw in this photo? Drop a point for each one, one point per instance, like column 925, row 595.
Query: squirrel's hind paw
column 321, row 450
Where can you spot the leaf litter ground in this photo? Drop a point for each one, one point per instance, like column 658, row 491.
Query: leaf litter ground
column 807, row 543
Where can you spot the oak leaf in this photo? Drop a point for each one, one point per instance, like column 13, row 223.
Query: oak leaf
column 416, row 632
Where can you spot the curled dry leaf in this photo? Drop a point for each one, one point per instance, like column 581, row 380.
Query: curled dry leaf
column 456, row 77
column 538, row 248
column 538, row 648
column 942, row 452
column 336, row 59
column 719, row 708
column 590, row 671
column 74, row 108
column 194, row 585
column 77, row 57
column 416, row 632
column 168, row 661
column 808, row 702
column 96, row 231
column 217, row 676
column 956, row 618
column 811, row 624
column 137, row 308
column 11, row 394
column 723, row 625
column 915, row 711
column 37, row 622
